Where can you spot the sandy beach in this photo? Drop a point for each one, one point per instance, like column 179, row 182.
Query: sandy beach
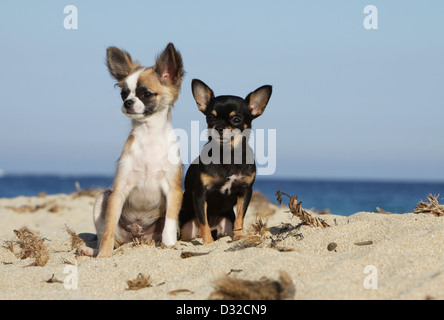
column 374, row 256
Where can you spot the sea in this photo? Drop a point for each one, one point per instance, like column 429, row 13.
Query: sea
column 341, row 197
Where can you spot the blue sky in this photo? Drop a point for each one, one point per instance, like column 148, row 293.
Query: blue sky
column 347, row 103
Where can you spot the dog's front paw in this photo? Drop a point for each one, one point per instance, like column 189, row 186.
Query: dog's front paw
column 207, row 239
column 169, row 234
column 83, row 250
column 238, row 234
column 163, row 245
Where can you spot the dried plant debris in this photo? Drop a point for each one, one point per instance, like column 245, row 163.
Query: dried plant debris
column 383, row 211
column 363, row 243
column 296, row 210
column 179, row 291
column 283, row 232
column 234, row 271
column 51, row 206
column 10, row 245
column 432, row 207
column 259, row 227
column 187, row 254
column 85, row 192
column 139, row 283
column 229, row 288
column 53, row 279
column 279, row 195
column 76, row 241
column 260, row 235
column 256, row 235
column 32, row 246
column 27, row 208
column 286, row 230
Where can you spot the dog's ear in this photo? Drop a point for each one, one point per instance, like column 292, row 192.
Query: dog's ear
column 169, row 66
column 258, row 100
column 119, row 63
column 202, row 94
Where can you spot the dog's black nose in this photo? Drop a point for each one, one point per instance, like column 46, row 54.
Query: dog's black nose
column 220, row 130
column 128, row 103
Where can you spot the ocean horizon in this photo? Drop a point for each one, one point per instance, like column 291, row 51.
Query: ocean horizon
column 340, row 196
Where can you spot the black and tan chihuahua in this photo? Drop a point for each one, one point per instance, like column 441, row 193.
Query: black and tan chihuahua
column 223, row 175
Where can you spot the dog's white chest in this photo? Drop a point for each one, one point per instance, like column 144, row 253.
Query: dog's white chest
column 156, row 151
column 226, row 188
column 151, row 160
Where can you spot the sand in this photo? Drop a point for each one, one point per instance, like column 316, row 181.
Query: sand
column 405, row 259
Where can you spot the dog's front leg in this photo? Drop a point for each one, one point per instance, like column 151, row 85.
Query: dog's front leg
column 200, row 207
column 113, row 213
column 241, row 208
column 174, row 202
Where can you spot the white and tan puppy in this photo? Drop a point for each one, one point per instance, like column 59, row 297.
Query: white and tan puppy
column 146, row 196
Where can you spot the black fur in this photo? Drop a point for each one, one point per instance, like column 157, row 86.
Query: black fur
column 206, row 182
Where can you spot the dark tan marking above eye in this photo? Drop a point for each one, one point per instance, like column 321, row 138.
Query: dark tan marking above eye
column 232, row 113
column 214, row 113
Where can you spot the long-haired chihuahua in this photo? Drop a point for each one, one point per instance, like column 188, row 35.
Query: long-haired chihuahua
column 146, row 196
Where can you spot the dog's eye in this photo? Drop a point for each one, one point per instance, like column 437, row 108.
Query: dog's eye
column 124, row 94
column 147, row 94
column 236, row 120
column 210, row 118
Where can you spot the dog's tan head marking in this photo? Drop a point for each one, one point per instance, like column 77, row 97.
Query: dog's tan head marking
column 146, row 90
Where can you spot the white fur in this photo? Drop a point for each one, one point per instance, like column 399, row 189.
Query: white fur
column 148, row 172
column 169, row 234
column 226, row 188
